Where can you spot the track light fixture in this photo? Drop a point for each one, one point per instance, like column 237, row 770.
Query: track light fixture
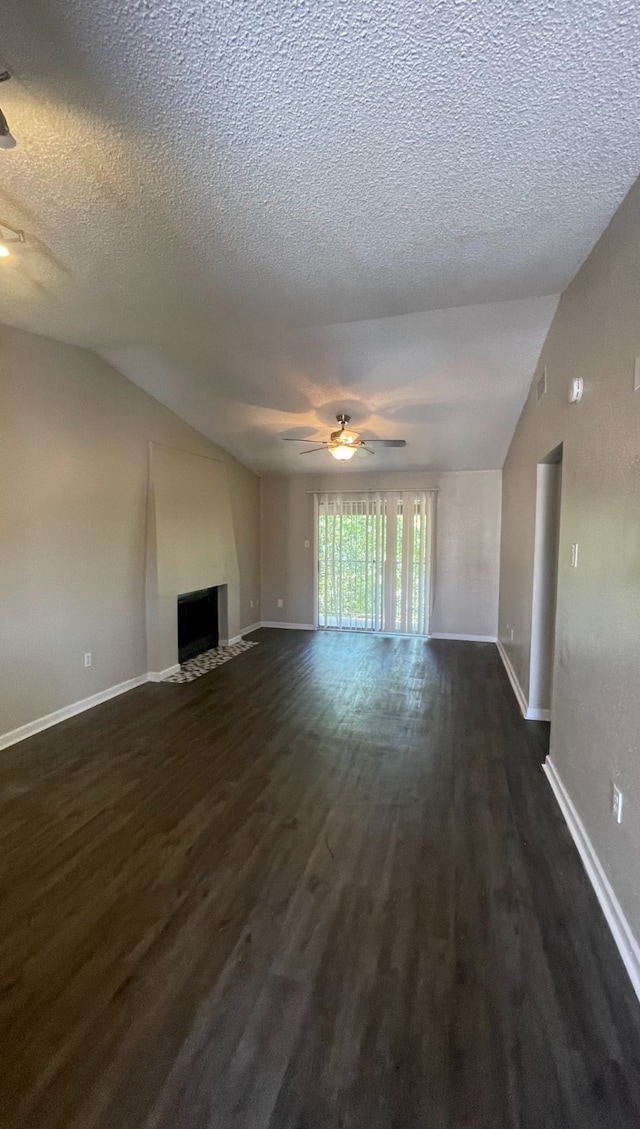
column 9, row 235
column 7, row 140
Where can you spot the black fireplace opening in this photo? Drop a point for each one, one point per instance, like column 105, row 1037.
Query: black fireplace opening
column 197, row 623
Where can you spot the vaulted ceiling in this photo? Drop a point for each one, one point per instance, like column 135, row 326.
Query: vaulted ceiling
column 266, row 212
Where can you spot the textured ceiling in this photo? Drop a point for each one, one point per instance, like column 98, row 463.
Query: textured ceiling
column 199, row 180
column 450, row 382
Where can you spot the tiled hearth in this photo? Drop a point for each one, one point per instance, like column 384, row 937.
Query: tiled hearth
column 209, row 660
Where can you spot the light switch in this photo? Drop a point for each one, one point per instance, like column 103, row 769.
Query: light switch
column 306, row 544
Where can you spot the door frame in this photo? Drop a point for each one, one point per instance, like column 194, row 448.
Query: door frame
column 545, row 583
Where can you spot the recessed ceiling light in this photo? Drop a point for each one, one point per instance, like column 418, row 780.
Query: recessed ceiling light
column 4, row 251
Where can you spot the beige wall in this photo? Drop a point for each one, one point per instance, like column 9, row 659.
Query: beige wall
column 467, row 553
column 191, row 545
column 467, row 544
column 595, row 706
column 74, row 455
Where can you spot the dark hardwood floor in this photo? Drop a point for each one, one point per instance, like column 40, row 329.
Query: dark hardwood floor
column 326, row 885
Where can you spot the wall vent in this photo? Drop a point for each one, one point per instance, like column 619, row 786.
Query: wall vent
column 541, row 387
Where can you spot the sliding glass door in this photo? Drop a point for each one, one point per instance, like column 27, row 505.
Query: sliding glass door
column 374, row 561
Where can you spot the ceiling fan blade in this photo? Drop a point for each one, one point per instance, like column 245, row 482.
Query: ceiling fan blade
column 365, row 451
column 290, row 439
column 311, row 450
column 389, row 442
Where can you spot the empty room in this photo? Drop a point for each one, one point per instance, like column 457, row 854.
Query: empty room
column 319, row 564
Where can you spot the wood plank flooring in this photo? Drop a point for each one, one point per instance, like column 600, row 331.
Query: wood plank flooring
column 326, row 885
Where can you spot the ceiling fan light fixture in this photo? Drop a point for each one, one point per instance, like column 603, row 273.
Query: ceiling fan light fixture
column 343, row 444
column 342, row 451
column 345, row 437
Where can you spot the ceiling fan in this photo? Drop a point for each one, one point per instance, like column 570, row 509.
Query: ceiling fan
column 344, row 444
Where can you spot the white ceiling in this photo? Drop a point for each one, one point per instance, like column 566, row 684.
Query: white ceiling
column 200, row 181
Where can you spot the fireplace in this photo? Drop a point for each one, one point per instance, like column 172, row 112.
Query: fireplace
column 197, row 623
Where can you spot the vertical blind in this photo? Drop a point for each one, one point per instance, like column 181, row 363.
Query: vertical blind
column 375, row 554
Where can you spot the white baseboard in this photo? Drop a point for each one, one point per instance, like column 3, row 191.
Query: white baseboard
column 528, row 713
column 538, row 715
column 33, row 727
column 289, row 626
column 463, row 638
column 627, row 944
column 160, row 675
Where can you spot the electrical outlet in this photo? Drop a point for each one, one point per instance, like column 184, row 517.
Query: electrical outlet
column 511, row 634
column 250, row 603
column 616, row 804
column 88, row 659
column 280, row 603
column 574, row 556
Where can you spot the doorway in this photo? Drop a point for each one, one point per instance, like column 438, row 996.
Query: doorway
column 545, row 584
